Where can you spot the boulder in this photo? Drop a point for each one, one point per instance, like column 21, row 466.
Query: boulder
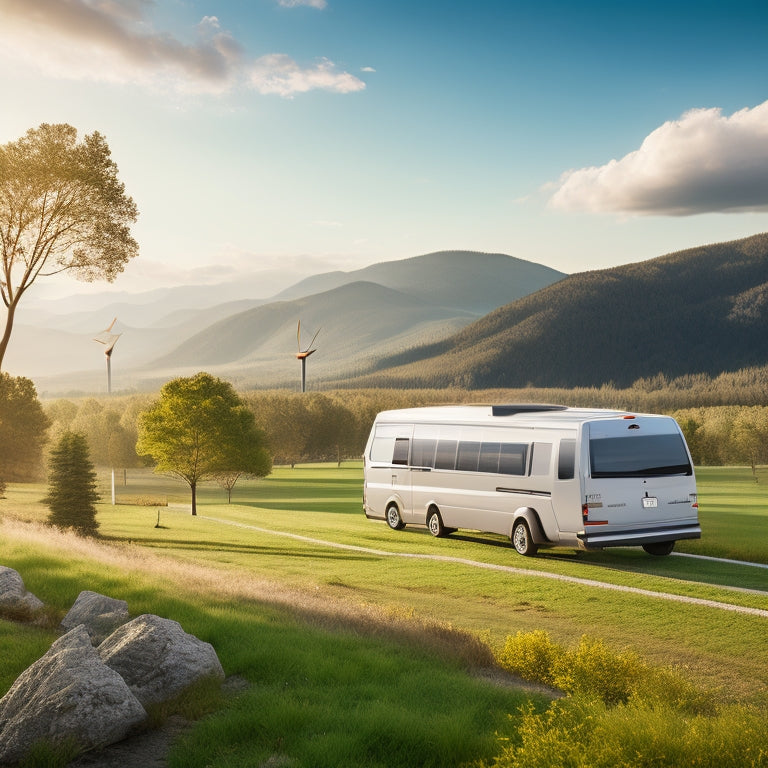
column 14, row 598
column 100, row 614
column 157, row 658
column 68, row 694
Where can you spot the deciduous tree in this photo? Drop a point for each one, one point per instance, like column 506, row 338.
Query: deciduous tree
column 23, row 429
column 200, row 429
column 62, row 208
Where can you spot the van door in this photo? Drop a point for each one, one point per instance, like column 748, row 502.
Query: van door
column 401, row 477
column 640, row 486
column 387, row 475
column 566, row 490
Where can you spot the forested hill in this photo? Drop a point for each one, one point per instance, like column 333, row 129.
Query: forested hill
column 702, row 310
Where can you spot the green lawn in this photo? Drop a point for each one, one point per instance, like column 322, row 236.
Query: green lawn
column 379, row 641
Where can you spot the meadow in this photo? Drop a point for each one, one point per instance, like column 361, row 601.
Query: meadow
column 360, row 645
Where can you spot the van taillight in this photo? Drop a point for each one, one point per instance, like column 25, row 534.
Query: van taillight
column 584, row 512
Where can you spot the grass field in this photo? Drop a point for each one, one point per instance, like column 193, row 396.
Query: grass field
column 363, row 654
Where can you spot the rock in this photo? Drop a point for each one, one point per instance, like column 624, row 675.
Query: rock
column 101, row 615
column 67, row 694
column 14, row 598
column 158, row 659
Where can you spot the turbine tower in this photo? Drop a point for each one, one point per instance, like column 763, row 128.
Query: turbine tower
column 109, row 339
column 303, row 354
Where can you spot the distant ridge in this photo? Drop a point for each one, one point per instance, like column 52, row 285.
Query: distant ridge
column 410, row 302
column 471, row 280
column 701, row 310
column 169, row 332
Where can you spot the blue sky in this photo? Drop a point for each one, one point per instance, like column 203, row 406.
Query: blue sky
column 288, row 137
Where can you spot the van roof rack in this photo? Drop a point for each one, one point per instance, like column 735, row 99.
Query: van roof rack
column 511, row 410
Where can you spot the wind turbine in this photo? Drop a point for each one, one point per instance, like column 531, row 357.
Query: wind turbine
column 303, row 354
column 109, row 339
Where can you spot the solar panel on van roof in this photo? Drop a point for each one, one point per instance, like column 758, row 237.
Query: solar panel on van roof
column 511, row 410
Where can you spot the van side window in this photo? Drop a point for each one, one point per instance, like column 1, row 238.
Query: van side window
column 468, row 456
column 566, row 460
column 489, row 457
column 513, row 458
column 542, row 453
column 423, row 452
column 446, row 454
column 400, row 455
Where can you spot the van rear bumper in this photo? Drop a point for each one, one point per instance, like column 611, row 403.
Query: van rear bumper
column 635, row 537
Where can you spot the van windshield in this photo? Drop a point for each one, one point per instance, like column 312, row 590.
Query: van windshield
column 638, row 456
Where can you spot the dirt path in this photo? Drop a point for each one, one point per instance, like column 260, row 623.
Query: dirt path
column 508, row 569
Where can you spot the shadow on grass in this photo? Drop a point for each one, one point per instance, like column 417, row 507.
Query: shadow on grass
column 190, row 545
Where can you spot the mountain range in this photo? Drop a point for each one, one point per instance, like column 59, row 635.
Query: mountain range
column 451, row 318
column 358, row 316
column 702, row 310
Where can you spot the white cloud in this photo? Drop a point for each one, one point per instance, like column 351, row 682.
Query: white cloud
column 704, row 162
column 280, row 74
column 320, row 4
column 113, row 41
column 367, row 69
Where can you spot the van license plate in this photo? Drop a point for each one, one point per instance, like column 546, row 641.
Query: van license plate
column 650, row 501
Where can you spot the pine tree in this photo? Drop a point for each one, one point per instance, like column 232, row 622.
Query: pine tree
column 72, row 486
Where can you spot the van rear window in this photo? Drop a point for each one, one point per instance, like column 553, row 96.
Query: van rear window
column 638, row 456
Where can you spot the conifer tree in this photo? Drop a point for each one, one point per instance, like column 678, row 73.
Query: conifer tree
column 72, row 485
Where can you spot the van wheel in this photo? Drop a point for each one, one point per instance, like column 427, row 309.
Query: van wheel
column 435, row 523
column 660, row 548
column 522, row 541
column 394, row 521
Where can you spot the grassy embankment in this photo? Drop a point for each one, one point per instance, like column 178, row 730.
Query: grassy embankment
column 360, row 658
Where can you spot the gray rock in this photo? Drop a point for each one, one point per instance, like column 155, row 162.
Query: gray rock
column 14, row 597
column 158, row 659
column 100, row 614
column 67, row 694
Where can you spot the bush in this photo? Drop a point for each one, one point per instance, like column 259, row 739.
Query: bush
column 593, row 671
column 621, row 712
column 581, row 733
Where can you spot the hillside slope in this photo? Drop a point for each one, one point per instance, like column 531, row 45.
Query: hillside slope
column 700, row 310
column 437, row 295
column 354, row 323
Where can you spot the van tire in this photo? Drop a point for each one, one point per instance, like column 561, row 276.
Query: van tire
column 659, row 548
column 394, row 521
column 435, row 523
column 522, row 541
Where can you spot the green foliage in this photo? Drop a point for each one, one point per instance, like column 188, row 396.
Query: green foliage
column 587, row 733
column 593, row 671
column 621, row 712
column 72, row 492
column 23, row 429
column 200, row 429
column 195, row 701
column 21, row 645
column 62, row 208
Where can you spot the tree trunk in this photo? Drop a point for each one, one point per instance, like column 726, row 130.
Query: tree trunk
column 193, row 486
column 7, row 333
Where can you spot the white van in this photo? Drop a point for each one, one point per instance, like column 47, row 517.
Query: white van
column 543, row 475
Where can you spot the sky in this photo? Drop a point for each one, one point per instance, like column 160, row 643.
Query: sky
column 272, row 139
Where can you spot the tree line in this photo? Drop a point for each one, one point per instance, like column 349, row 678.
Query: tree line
column 334, row 425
